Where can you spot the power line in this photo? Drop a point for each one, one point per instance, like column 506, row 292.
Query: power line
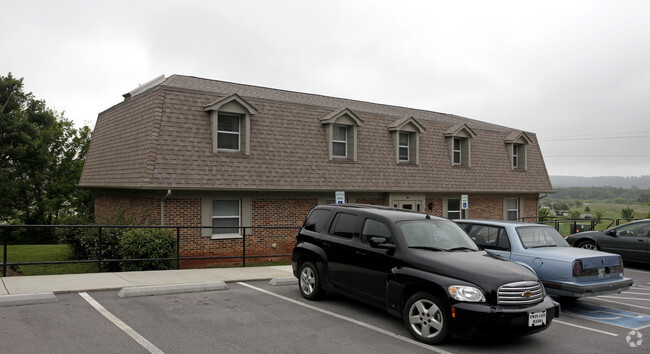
column 594, row 138
column 599, row 156
column 594, row 135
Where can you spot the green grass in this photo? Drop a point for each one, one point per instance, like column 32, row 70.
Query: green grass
column 45, row 253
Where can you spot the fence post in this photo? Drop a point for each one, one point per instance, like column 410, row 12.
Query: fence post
column 243, row 257
column 4, row 252
column 99, row 251
column 178, row 247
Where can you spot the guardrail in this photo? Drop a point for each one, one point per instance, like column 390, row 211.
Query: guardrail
column 100, row 251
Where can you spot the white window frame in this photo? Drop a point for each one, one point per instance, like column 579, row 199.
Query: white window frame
column 402, row 146
column 238, row 217
column 508, row 209
column 515, row 155
column 238, row 132
column 459, row 151
column 344, row 142
column 459, row 211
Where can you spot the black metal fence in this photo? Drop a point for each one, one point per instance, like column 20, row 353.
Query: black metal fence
column 572, row 226
column 100, row 261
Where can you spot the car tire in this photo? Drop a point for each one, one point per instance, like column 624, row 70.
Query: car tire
column 309, row 281
column 588, row 245
column 426, row 318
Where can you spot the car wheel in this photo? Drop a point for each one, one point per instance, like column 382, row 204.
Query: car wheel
column 426, row 318
column 309, row 282
column 588, row 245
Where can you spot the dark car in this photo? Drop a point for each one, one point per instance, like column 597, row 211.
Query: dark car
column 631, row 240
column 423, row 269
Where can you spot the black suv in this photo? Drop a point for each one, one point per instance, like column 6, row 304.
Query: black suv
column 421, row 268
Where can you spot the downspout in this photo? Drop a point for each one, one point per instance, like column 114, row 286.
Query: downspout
column 162, row 207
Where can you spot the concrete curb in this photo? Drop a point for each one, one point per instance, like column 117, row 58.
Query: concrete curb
column 284, row 281
column 171, row 289
column 27, row 299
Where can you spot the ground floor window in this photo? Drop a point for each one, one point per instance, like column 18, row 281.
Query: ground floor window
column 226, row 215
column 453, row 208
column 512, row 209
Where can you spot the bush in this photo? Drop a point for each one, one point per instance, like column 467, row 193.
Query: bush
column 147, row 243
column 627, row 213
column 84, row 243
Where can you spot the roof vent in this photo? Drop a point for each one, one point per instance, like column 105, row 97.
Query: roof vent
column 140, row 89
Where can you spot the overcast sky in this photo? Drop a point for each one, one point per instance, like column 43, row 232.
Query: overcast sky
column 576, row 73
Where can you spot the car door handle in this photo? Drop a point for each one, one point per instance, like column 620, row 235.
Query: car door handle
column 359, row 253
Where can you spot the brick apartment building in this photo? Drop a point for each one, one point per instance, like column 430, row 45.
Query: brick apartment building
column 196, row 152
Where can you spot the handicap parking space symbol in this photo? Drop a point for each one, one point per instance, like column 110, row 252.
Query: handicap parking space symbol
column 615, row 317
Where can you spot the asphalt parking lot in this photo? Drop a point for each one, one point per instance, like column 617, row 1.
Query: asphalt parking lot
column 257, row 317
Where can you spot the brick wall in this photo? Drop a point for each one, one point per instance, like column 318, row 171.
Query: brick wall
column 485, row 208
column 111, row 209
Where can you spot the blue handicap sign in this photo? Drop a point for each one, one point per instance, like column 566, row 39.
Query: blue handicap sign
column 607, row 315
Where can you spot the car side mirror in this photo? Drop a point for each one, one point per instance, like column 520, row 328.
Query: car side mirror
column 381, row 242
column 611, row 233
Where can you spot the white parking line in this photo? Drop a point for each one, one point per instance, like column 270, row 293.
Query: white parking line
column 626, row 298
column 583, row 327
column 121, row 325
column 622, row 303
column 363, row 324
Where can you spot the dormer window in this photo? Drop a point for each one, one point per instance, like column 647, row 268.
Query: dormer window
column 459, row 138
column 341, row 127
column 517, row 143
column 406, row 131
column 458, row 151
column 340, row 141
column 228, row 131
column 404, row 147
column 231, row 124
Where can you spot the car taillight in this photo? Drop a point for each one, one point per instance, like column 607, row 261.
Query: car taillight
column 577, row 268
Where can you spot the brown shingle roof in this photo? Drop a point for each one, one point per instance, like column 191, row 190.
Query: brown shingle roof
column 161, row 138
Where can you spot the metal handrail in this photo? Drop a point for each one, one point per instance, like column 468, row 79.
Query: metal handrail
column 100, row 261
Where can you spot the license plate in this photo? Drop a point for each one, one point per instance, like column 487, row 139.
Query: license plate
column 601, row 272
column 536, row 319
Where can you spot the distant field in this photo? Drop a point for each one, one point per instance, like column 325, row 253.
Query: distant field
column 45, row 253
column 613, row 210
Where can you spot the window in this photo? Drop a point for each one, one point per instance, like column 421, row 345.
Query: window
column 459, row 139
column 512, row 209
column 406, row 134
column 404, row 147
column 515, row 155
column 316, row 220
column 225, row 217
column 344, row 225
column 228, row 131
column 341, row 127
column 516, row 143
column 453, row 208
column 490, row 237
column 340, row 141
column 230, row 119
column 373, row 228
column 457, row 152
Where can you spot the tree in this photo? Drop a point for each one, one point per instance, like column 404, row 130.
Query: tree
column 41, row 157
column 627, row 213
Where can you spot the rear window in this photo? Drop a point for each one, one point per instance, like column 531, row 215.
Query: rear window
column 540, row 236
column 317, row 220
column 344, row 225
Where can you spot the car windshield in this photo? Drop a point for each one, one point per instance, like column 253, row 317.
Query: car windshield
column 540, row 236
column 436, row 235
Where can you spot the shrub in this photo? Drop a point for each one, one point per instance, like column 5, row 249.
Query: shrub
column 627, row 213
column 147, row 243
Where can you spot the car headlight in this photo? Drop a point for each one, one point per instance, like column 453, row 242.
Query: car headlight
column 466, row 293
